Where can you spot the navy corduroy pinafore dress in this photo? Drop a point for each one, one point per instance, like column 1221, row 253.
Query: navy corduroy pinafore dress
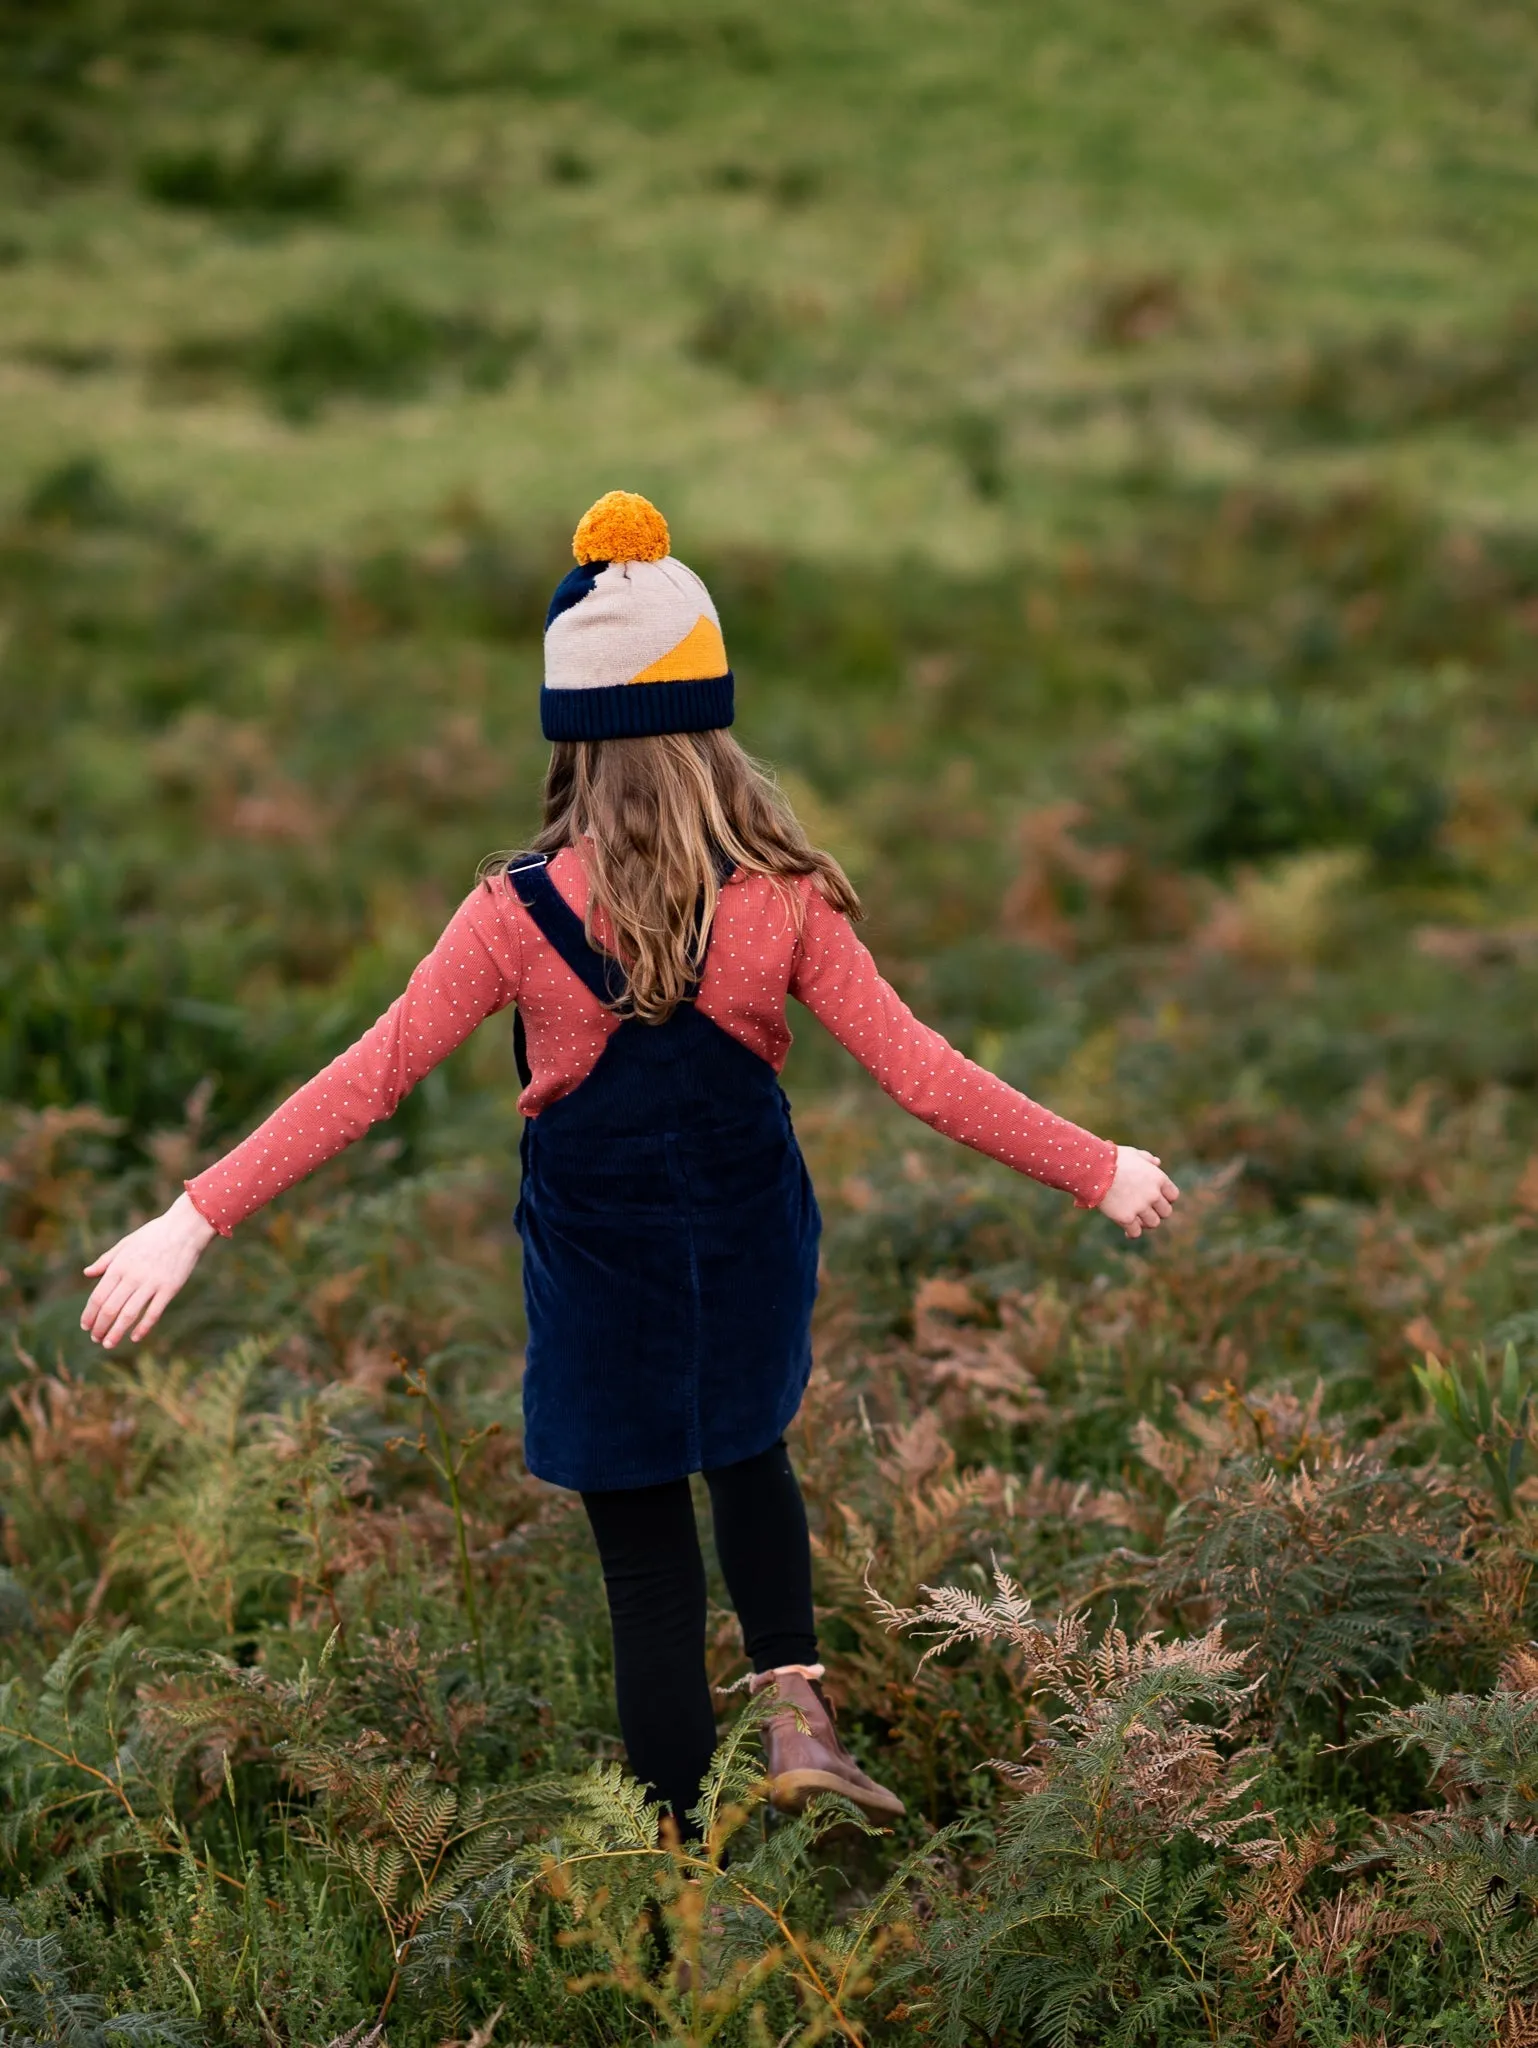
column 670, row 1240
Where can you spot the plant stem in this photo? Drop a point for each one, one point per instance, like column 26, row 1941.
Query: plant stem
column 451, row 1478
column 111, row 1788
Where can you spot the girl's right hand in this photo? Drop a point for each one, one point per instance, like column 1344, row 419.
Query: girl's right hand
column 142, row 1272
column 1141, row 1195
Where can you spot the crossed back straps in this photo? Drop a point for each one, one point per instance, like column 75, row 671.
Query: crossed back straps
column 559, row 924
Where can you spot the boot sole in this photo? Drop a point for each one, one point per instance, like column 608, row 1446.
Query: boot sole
column 790, row 1791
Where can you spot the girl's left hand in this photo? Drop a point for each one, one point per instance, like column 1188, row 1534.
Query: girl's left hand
column 142, row 1272
column 1142, row 1193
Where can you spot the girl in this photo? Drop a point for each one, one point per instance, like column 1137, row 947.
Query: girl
column 669, row 1230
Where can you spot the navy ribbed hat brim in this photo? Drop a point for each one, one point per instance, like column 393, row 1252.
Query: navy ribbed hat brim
column 630, row 711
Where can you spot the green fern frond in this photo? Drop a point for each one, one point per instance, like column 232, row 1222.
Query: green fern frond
column 1486, row 1745
column 214, row 1516
column 41, row 2005
column 379, row 1866
column 611, row 1811
column 735, row 1779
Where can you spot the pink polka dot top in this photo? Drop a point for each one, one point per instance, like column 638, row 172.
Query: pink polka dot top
column 492, row 955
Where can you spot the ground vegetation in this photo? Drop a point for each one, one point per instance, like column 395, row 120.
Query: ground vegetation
column 1110, row 453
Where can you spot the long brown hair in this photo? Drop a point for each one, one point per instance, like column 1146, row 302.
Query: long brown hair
column 654, row 821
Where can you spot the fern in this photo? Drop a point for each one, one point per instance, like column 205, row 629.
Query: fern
column 1482, row 1749
column 922, row 1520
column 700, row 1936
column 41, row 2006
column 1469, row 1874
column 83, row 1788
column 223, row 1504
column 1334, row 1574
column 1090, row 1913
column 410, row 1844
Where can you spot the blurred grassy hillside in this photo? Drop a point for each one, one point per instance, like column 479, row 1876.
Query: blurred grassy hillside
column 872, row 280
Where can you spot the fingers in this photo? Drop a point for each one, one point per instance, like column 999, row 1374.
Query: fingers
column 1149, row 1216
column 98, row 1308
column 126, row 1307
column 138, row 1276
column 117, row 1296
column 151, row 1315
column 104, row 1303
column 132, row 1309
column 131, row 1292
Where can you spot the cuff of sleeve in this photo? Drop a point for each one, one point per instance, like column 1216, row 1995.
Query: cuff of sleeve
column 224, row 1229
column 1092, row 1198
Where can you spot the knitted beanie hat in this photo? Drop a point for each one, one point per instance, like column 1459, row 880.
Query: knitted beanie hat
column 632, row 641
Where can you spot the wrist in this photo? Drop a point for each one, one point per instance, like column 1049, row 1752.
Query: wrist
column 1098, row 1193
column 190, row 1220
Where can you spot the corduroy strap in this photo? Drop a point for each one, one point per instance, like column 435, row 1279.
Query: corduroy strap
column 599, row 972
column 560, row 925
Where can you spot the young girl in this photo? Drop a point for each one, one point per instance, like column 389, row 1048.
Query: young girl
column 669, row 1229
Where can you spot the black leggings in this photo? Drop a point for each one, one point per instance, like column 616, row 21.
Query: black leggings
column 654, row 1576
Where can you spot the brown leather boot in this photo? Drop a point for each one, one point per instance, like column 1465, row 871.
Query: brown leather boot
column 806, row 1756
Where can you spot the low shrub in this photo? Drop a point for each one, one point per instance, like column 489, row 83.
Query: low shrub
column 1097, row 1899
column 363, row 341
column 130, row 1013
column 1229, row 776
column 266, row 175
column 78, row 492
column 1390, row 382
column 42, row 2000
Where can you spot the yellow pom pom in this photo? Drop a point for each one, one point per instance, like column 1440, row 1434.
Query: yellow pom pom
column 621, row 527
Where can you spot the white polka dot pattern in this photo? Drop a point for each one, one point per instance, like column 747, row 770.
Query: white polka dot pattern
column 491, row 955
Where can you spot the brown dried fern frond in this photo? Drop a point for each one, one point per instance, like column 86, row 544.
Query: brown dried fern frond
column 1150, row 1720
column 953, row 1615
column 1518, row 2024
column 971, row 1371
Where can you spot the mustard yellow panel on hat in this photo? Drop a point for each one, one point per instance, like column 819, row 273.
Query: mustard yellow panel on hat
column 701, row 652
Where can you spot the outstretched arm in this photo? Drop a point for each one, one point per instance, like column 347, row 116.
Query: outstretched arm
column 841, row 985
column 473, row 971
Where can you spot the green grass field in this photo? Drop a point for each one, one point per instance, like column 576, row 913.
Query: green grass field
column 1108, row 434
column 867, row 281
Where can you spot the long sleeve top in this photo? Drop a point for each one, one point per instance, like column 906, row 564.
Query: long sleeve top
column 492, row 955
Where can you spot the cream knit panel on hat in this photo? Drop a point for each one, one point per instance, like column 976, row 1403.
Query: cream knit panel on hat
column 635, row 613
